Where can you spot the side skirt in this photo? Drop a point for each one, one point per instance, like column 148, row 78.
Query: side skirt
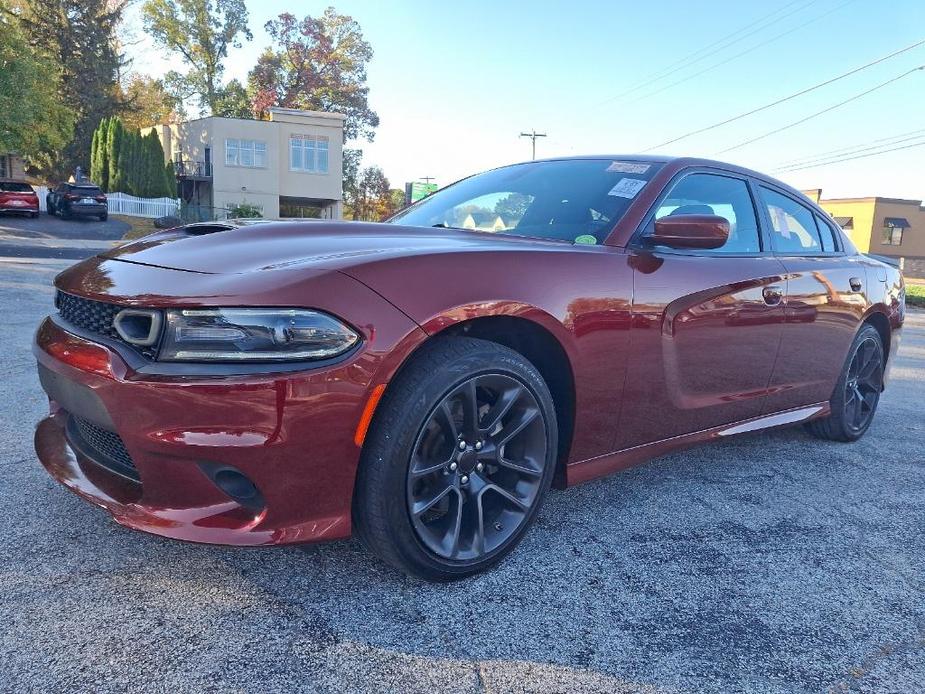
column 586, row 470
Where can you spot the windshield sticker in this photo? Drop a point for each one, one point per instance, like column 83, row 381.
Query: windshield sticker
column 627, row 188
column 628, row 167
column 589, row 239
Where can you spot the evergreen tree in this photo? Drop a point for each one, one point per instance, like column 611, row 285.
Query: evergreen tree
column 94, row 155
column 79, row 37
column 170, row 180
column 102, row 155
column 114, row 154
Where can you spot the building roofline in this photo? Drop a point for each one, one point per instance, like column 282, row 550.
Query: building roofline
column 875, row 198
column 324, row 115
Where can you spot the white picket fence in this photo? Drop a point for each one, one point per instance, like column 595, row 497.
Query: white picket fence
column 121, row 203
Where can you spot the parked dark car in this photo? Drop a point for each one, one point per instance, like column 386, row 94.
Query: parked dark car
column 16, row 196
column 423, row 385
column 77, row 200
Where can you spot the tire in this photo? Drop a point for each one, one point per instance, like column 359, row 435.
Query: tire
column 857, row 393
column 64, row 212
column 104, row 217
column 34, row 215
column 422, row 415
column 49, row 207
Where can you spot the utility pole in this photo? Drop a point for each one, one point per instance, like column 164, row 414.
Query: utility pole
column 533, row 137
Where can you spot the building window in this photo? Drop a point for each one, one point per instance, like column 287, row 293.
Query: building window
column 892, row 236
column 5, row 167
column 251, row 154
column 308, row 153
column 893, row 230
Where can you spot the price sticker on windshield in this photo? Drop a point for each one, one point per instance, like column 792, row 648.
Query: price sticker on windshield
column 627, row 167
column 627, row 188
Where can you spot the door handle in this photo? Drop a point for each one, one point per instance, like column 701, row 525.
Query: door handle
column 855, row 283
column 772, row 295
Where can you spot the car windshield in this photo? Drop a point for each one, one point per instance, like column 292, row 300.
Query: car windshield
column 14, row 187
column 578, row 200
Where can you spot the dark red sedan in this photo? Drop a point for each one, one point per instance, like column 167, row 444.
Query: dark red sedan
column 423, row 382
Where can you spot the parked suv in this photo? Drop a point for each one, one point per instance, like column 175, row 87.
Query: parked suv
column 77, row 199
column 16, row 196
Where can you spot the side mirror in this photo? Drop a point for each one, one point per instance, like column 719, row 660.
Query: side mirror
column 691, row 231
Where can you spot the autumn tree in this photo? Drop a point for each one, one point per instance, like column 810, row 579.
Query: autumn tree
column 147, row 102
column 200, row 32
column 78, row 37
column 373, row 201
column 33, row 120
column 317, row 63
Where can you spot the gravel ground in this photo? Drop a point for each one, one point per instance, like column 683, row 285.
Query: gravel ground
column 771, row 562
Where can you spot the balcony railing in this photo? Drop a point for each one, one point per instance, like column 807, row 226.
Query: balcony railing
column 193, row 169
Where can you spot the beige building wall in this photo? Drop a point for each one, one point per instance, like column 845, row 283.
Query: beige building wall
column 262, row 186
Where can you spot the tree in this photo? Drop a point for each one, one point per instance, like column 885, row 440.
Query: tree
column 33, row 118
column 351, row 179
column 115, row 179
column 99, row 164
column 373, row 202
column 233, row 102
column 147, row 102
column 79, row 38
column 317, row 64
column 200, row 32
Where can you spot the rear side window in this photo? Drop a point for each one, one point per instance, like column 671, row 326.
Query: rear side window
column 793, row 228
column 15, row 187
column 717, row 195
column 826, row 235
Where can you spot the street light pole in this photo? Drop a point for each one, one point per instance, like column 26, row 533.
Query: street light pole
column 533, row 135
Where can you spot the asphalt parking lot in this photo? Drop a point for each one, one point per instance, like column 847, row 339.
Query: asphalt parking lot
column 769, row 562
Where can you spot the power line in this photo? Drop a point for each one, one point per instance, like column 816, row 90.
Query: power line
column 751, row 49
column 860, row 156
column 787, row 98
column 686, row 61
column 819, row 113
column 856, row 150
column 893, row 139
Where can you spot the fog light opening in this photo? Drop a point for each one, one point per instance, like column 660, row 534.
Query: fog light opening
column 234, row 484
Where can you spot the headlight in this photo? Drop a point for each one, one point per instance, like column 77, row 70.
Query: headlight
column 253, row 334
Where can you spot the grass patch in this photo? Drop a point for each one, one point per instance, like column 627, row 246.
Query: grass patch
column 915, row 295
column 141, row 226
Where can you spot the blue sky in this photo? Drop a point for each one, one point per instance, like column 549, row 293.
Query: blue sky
column 454, row 83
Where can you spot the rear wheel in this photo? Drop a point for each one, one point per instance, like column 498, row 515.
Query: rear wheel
column 857, row 393
column 104, row 216
column 458, row 460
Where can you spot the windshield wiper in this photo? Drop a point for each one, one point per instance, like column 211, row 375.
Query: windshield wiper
column 441, row 225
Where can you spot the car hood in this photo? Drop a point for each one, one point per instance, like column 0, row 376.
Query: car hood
column 310, row 245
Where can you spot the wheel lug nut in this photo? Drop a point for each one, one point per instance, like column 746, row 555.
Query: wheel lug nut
column 479, row 467
column 478, row 445
column 464, row 479
column 462, row 445
column 453, row 466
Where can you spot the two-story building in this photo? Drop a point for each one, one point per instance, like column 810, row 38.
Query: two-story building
column 883, row 226
column 11, row 166
column 289, row 166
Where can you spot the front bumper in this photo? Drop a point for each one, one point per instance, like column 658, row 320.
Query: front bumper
column 290, row 434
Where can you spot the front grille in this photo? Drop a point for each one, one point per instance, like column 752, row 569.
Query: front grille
column 102, row 446
column 95, row 317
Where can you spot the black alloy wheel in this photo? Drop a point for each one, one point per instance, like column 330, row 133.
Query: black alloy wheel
column 457, row 461
column 476, row 467
column 864, row 383
column 857, row 392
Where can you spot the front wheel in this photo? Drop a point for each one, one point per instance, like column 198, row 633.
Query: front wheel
column 857, row 392
column 458, row 460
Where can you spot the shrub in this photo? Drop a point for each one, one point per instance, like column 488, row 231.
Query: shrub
column 244, row 210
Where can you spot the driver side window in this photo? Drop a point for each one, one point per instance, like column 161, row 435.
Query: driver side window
column 712, row 194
